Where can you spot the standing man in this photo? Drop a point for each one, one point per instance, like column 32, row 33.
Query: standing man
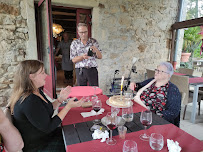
column 85, row 66
column 67, row 64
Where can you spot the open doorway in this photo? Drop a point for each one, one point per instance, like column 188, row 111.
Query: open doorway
column 67, row 18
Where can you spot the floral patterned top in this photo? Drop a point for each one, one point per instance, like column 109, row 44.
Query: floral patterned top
column 171, row 111
column 77, row 48
column 155, row 98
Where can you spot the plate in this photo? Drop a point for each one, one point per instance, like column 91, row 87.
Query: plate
column 129, row 105
column 120, row 121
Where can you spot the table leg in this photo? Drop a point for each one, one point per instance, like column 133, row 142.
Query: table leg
column 194, row 103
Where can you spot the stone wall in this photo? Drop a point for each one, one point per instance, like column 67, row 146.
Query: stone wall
column 125, row 29
column 133, row 29
column 13, row 37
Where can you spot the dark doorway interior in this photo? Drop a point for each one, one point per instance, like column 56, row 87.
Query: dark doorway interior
column 68, row 18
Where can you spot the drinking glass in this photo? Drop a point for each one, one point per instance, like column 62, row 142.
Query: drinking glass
column 115, row 110
column 146, row 120
column 130, row 146
column 156, row 141
column 96, row 106
column 127, row 114
column 111, row 125
column 122, row 131
column 128, row 96
column 95, row 88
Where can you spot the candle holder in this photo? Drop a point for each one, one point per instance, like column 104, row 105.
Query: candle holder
column 121, row 95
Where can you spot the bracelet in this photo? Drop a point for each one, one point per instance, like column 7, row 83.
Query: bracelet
column 59, row 101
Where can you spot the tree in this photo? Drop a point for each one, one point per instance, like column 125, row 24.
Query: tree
column 194, row 10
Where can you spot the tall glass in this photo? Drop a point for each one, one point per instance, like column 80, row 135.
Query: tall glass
column 95, row 89
column 96, row 106
column 115, row 110
column 111, row 125
column 127, row 114
column 146, row 120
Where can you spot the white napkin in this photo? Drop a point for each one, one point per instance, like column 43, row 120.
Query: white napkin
column 92, row 113
column 173, row 146
column 98, row 134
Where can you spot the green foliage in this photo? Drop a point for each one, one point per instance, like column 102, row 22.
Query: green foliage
column 192, row 40
column 197, row 51
column 192, row 9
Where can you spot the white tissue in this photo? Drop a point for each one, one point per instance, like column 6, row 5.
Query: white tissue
column 98, row 134
column 173, row 146
column 92, row 113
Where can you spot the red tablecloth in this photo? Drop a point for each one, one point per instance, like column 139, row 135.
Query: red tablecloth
column 84, row 91
column 74, row 115
column 191, row 80
column 187, row 142
column 196, row 80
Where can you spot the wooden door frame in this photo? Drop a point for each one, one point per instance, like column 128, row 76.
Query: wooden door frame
column 51, row 78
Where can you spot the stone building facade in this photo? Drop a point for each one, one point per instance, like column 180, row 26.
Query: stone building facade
column 125, row 30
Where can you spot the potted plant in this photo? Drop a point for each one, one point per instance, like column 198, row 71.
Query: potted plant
column 192, row 39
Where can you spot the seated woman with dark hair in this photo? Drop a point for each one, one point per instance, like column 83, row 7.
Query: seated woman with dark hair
column 33, row 112
column 160, row 95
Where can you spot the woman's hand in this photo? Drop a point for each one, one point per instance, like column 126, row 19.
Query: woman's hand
column 132, row 86
column 71, row 103
column 64, row 93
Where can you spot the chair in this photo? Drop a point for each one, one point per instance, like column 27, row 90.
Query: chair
column 182, row 82
column 186, row 71
column 150, row 73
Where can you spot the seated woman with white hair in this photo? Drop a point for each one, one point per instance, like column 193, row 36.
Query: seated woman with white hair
column 160, row 95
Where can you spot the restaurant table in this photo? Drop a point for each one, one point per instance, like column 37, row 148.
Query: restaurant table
column 74, row 116
column 196, row 82
column 78, row 137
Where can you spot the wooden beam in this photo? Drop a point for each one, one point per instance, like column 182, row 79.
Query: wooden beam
column 63, row 13
column 72, row 20
column 188, row 23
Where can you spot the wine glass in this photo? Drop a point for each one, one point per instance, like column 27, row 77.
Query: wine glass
column 111, row 125
column 130, row 146
column 146, row 120
column 96, row 106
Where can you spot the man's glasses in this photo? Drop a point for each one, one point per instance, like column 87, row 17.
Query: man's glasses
column 160, row 71
column 83, row 32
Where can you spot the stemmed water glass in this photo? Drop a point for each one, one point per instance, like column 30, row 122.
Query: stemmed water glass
column 111, row 125
column 96, row 106
column 146, row 120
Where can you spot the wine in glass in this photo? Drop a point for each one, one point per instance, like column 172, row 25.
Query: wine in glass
column 146, row 120
column 96, row 106
column 111, row 125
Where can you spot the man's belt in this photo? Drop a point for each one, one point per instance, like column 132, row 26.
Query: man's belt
column 86, row 67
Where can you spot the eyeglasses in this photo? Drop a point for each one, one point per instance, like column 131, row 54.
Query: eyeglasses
column 160, row 71
column 83, row 32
